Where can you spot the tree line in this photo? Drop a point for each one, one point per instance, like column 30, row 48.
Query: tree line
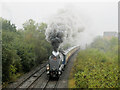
column 22, row 49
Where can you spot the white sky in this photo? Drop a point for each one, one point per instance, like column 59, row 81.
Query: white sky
column 98, row 16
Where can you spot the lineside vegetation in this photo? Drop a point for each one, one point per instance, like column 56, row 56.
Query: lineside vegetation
column 22, row 49
column 97, row 65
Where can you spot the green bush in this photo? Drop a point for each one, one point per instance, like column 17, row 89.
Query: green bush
column 97, row 68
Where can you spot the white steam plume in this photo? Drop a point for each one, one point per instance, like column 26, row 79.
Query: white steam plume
column 63, row 27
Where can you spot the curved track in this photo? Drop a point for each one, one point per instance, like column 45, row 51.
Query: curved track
column 39, row 78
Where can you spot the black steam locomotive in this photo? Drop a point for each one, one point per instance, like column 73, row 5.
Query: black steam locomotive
column 58, row 60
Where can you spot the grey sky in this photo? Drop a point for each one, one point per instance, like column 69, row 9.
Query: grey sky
column 97, row 17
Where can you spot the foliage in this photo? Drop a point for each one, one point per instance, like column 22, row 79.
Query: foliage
column 7, row 25
column 97, row 66
column 105, row 45
column 22, row 49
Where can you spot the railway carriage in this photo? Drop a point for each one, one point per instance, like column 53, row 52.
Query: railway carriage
column 58, row 61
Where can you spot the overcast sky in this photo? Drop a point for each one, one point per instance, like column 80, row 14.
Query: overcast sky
column 98, row 17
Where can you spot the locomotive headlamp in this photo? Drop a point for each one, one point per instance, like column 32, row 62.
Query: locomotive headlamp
column 47, row 67
column 59, row 72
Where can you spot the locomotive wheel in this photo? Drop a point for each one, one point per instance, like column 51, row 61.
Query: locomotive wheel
column 64, row 65
column 64, row 69
column 57, row 77
column 50, row 77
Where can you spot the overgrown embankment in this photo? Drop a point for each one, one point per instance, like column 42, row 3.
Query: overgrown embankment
column 96, row 66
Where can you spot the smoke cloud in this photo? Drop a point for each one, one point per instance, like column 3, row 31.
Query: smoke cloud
column 64, row 27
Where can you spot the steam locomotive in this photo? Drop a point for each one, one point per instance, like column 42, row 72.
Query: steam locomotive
column 58, row 60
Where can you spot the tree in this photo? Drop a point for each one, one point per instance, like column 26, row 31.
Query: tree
column 7, row 25
column 22, row 49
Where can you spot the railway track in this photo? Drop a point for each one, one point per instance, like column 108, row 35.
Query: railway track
column 39, row 79
column 44, row 82
column 28, row 82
